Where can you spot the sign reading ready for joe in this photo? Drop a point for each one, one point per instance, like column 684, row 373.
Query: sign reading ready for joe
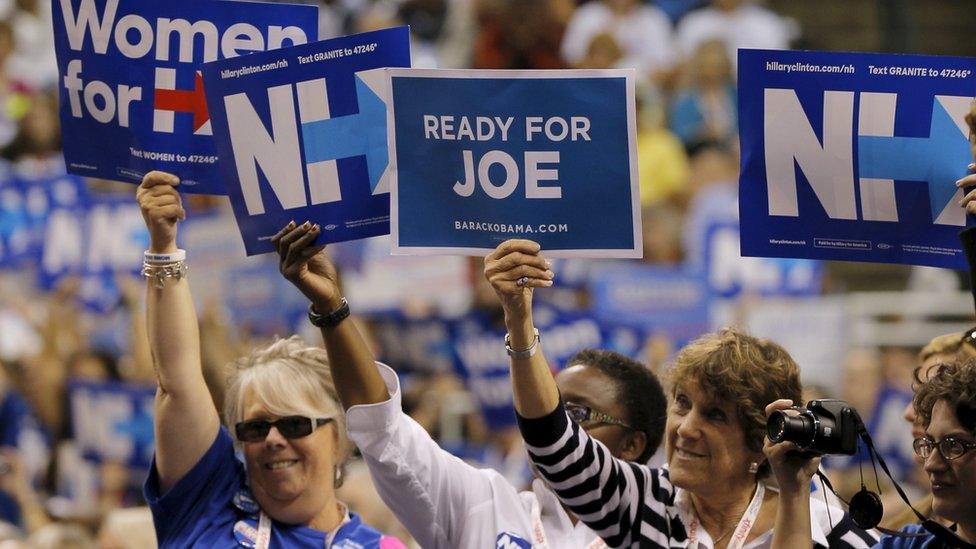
column 480, row 157
column 854, row 156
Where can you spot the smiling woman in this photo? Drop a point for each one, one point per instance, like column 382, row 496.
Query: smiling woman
column 280, row 403
column 714, row 492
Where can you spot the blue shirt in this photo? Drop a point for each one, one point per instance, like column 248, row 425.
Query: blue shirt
column 201, row 510
column 927, row 542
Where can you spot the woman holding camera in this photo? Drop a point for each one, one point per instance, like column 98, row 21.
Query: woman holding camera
column 714, row 492
column 946, row 406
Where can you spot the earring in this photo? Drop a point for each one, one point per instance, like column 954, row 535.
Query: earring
column 753, row 468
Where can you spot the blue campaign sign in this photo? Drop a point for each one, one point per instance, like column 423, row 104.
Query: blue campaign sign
column 131, row 93
column 113, row 421
column 484, row 365
column 853, row 156
column 302, row 137
column 94, row 241
column 665, row 300
column 731, row 275
column 484, row 156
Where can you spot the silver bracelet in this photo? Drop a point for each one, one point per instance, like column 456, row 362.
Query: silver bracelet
column 156, row 272
column 525, row 353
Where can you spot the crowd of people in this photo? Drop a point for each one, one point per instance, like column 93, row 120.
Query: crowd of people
column 398, row 428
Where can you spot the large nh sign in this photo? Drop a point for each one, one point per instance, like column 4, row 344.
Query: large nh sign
column 853, row 156
column 829, row 166
column 301, row 135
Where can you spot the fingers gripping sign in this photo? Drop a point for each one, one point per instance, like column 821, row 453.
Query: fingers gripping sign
column 514, row 269
column 306, row 266
column 969, row 200
column 162, row 209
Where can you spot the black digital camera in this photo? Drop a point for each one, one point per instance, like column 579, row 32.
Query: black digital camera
column 826, row 426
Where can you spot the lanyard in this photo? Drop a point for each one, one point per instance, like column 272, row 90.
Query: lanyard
column 539, row 540
column 264, row 532
column 742, row 529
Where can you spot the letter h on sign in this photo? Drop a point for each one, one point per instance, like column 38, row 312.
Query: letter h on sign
column 937, row 159
column 325, row 140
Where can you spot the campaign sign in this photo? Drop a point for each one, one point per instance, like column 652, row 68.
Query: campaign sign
column 93, row 241
column 658, row 299
column 484, row 365
column 853, row 156
column 731, row 275
column 480, row 157
column 112, row 421
column 302, row 137
column 131, row 94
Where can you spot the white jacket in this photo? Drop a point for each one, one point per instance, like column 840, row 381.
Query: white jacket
column 443, row 501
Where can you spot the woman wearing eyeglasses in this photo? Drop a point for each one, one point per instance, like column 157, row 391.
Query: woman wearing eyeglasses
column 946, row 407
column 714, row 491
column 281, row 410
column 441, row 500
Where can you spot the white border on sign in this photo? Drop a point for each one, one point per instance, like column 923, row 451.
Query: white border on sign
column 627, row 74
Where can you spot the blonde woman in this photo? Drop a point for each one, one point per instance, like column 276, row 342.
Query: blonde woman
column 281, row 411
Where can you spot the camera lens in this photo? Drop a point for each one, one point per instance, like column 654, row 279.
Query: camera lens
column 782, row 427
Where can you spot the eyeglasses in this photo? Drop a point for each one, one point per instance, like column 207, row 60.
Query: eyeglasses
column 256, row 430
column 582, row 414
column 949, row 447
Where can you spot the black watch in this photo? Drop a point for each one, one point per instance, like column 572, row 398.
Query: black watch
column 329, row 320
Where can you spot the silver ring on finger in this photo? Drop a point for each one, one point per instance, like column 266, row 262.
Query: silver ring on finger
column 522, row 281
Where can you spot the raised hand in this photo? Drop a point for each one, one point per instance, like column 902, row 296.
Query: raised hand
column 969, row 200
column 513, row 269
column 304, row 265
column 162, row 209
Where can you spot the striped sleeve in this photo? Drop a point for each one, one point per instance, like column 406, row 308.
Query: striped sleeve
column 625, row 503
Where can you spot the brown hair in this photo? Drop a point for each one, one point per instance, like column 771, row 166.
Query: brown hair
column 749, row 372
column 953, row 382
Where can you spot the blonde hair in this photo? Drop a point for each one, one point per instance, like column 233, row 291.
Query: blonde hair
column 288, row 378
column 948, row 344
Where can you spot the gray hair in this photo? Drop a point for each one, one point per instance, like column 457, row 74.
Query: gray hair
column 289, row 378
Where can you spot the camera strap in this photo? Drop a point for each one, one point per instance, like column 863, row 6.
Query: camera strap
column 742, row 529
column 946, row 536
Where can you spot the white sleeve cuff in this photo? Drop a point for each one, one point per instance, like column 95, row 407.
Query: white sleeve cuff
column 369, row 418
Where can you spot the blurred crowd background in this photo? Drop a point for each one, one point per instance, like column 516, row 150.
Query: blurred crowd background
column 76, row 379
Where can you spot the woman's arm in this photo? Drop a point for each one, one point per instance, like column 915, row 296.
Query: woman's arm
column 622, row 502
column 353, row 368
column 793, row 473
column 535, row 390
column 186, row 421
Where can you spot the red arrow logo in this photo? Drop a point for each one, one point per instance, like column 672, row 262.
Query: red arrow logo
column 185, row 101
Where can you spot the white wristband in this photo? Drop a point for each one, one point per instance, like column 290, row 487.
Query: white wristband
column 159, row 259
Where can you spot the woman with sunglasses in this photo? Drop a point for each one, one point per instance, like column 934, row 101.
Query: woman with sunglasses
column 946, row 407
column 441, row 500
column 714, row 491
column 282, row 415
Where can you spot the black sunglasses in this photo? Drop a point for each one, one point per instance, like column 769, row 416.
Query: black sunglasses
column 256, row 430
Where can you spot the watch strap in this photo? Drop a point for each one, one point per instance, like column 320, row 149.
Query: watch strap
column 329, row 320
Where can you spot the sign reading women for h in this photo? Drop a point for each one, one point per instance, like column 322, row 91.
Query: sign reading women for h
column 853, row 156
column 301, row 136
column 485, row 156
column 131, row 93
